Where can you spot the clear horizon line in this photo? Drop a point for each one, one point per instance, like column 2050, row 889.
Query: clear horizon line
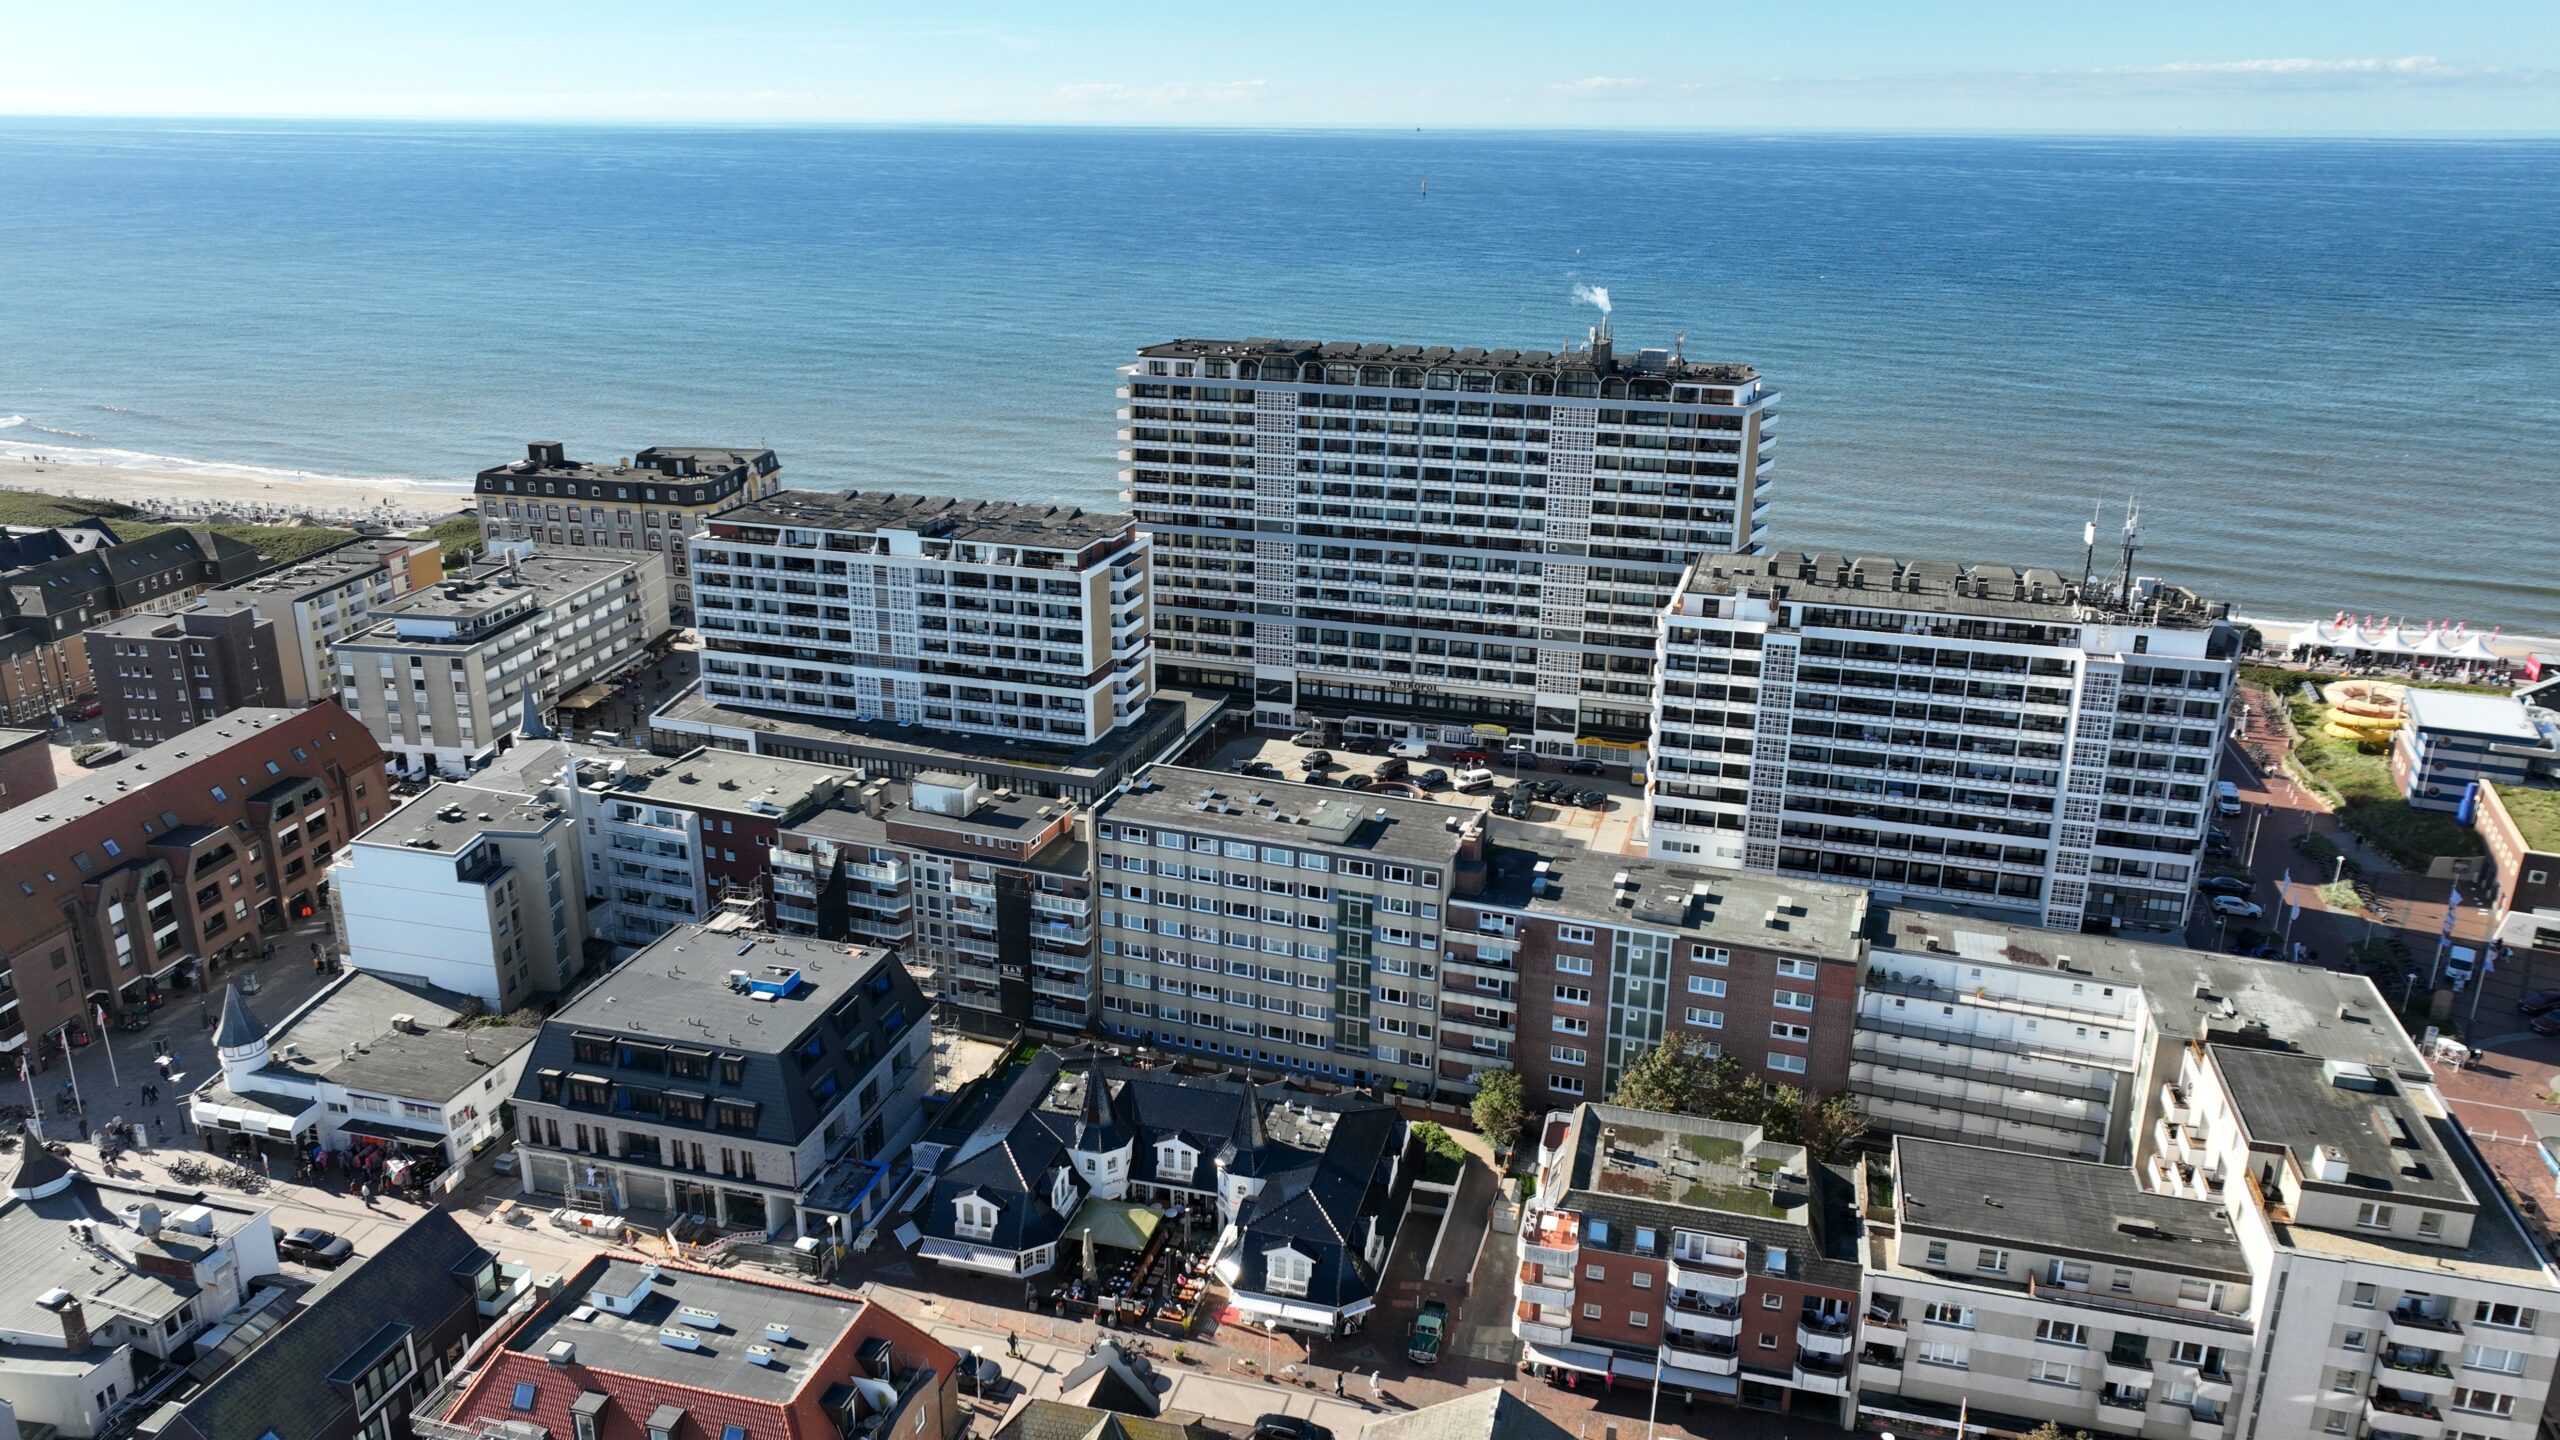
column 697, row 123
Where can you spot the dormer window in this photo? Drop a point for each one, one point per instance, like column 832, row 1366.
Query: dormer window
column 1287, row 1272
column 1176, row 1161
column 976, row 1218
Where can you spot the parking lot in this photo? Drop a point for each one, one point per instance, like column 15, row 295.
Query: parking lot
column 1615, row 825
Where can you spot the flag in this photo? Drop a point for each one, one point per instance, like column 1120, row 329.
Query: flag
column 2295, row 911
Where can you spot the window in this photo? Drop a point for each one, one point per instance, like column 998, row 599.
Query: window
column 2430, row 1225
column 733, row 1432
column 1704, row 1019
column 2362, row 1297
column 2489, row 1357
column 2346, row 1382
column 524, row 1396
column 1288, row 1271
column 2054, row 1372
column 1940, row 1312
column 2062, row 1332
column 2485, row 1402
column 1572, row 995
column 1937, row 1255
column 1643, row 1279
column 2373, row 1217
column 2334, row 1422
column 976, row 1218
column 1573, row 964
column 1791, row 999
column 1573, row 935
column 1792, row 1064
column 2505, row 1317
column 1781, row 1030
column 1595, row 1272
column 1635, row 1320
column 1941, row 1352
column 2354, row 1340
column 1572, row 1025
column 1705, row 985
column 1991, row 1262
column 1591, row 1310
column 1772, row 1302
column 1567, row 1055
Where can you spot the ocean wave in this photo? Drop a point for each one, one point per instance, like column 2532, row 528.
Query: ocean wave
column 111, row 458
column 65, row 434
column 12, row 422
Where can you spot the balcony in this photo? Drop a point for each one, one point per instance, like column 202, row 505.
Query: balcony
column 1823, row 1374
column 1819, row 1335
column 2400, row 1413
column 1711, row 1262
column 2126, row 1369
column 1539, row 1293
column 1706, row 1357
column 1540, row 1333
column 2205, row 1425
column 2173, row 1103
column 1551, row 1238
column 2420, row 1371
column 1694, row 1315
column 2125, row 1397
column 2419, row 1330
column 2117, row 1305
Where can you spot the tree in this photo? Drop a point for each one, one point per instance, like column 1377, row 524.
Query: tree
column 1498, row 1109
column 1674, row 1077
column 1828, row 1128
column 2052, row 1430
column 1730, row 1093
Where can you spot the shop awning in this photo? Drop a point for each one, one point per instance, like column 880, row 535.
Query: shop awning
column 1589, row 1362
column 1119, row 1224
column 385, row 1130
column 585, row 697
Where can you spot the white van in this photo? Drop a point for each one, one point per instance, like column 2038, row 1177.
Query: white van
column 1410, row 750
column 1472, row 779
column 2226, row 797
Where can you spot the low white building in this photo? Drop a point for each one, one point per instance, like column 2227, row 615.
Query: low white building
column 368, row 1062
column 99, row 1275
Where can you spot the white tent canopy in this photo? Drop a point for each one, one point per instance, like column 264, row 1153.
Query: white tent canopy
column 2438, row 641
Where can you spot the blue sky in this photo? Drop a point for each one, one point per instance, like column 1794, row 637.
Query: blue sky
column 2233, row 66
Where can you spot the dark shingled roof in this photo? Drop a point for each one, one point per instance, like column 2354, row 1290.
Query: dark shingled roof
column 419, row 1278
column 1494, row 1414
column 239, row 1026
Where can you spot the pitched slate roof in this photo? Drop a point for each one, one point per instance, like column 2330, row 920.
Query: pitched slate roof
column 420, row 1278
column 1494, row 1414
column 239, row 1025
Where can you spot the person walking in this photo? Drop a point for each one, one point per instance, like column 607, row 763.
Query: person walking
column 1340, row 1389
column 1012, row 1346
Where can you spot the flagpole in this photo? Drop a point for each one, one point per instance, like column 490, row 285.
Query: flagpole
column 110, row 1049
column 71, row 1070
column 27, row 1073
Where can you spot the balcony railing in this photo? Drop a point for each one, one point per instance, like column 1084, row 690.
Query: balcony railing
column 2118, row 1305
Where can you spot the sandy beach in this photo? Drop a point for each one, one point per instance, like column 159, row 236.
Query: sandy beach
column 249, row 498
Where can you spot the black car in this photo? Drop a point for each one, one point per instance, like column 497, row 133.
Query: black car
column 1317, row 759
column 2537, row 1001
column 1432, row 779
column 1584, row 767
column 1592, row 800
column 2546, row 1023
column 1364, row 745
column 1277, row 1426
column 320, row 1249
column 1392, row 768
column 2227, row 885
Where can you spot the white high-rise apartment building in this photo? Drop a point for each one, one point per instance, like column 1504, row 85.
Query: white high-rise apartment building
column 1421, row 540
column 1982, row 734
column 1022, row 621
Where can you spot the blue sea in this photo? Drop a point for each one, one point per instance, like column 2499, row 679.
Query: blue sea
column 2329, row 371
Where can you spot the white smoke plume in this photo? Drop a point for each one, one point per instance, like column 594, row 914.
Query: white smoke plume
column 1593, row 295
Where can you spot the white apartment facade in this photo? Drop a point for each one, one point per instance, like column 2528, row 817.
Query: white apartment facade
column 1419, row 540
column 2415, row 1302
column 445, row 675
column 1984, row 736
column 471, row 890
column 316, row 604
column 1275, row 925
column 1024, row 622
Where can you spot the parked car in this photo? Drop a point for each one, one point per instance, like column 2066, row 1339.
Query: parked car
column 981, row 1375
column 1471, row 757
column 85, row 710
column 1307, row 739
column 2546, row 1023
column 1391, row 768
column 1584, row 767
column 2226, row 797
column 1279, row 1426
column 1365, row 744
column 2537, row 1001
column 1410, row 750
column 2237, row 908
column 1422, row 1341
column 1432, row 779
column 1317, row 759
column 1472, row 779
column 2228, row 885
column 1592, row 800
column 1258, row 769
column 320, row 1249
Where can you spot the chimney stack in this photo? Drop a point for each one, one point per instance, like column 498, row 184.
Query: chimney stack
column 75, row 1325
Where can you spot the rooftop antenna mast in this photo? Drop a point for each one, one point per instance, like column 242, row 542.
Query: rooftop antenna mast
column 2089, row 547
column 2132, row 543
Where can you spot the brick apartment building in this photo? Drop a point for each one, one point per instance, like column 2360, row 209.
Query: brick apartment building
column 26, row 766
column 1567, row 963
column 130, row 880
column 160, row 675
column 1694, row 1254
column 627, row 1351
